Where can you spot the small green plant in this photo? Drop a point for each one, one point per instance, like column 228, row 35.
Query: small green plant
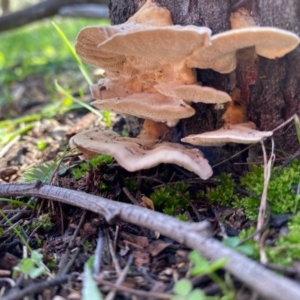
column 203, row 267
column 281, row 197
column 44, row 222
column 80, row 171
column 41, row 145
column 43, row 172
column 90, row 290
column 223, row 192
column 94, row 162
column 101, row 159
column 183, row 290
column 33, row 266
column 87, row 246
column 51, row 263
column 171, row 199
column 131, row 184
column 234, row 243
column 287, row 247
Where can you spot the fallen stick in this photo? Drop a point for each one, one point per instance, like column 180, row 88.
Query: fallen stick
column 254, row 275
column 43, row 9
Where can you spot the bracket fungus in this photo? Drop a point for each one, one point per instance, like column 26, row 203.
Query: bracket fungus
column 243, row 133
column 138, row 153
column 151, row 106
column 220, row 55
column 193, row 93
column 149, row 66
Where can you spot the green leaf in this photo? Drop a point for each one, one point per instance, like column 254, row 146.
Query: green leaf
column 231, row 242
column 43, row 172
column 31, row 266
column 202, row 266
column 36, row 257
column 36, row 272
column 90, row 290
column 197, row 295
column 183, row 287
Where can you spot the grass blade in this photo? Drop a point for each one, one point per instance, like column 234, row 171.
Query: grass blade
column 81, row 66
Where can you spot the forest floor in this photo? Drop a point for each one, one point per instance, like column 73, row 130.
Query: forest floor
column 42, row 241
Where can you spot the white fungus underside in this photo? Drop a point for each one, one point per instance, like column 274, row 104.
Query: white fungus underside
column 134, row 154
column 238, row 133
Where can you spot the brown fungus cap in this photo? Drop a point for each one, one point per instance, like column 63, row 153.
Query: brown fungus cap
column 135, row 154
column 220, row 56
column 153, row 106
column 86, row 47
column 244, row 133
column 193, row 93
column 149, row 34
column 168, row 44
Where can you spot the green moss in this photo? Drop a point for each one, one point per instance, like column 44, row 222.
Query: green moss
column 100, row 159
column 281, row 197
column 287, row 247
column 130, row 184
column 44, row 221
column 171, row 199
column 223, row 193
column 94, row 162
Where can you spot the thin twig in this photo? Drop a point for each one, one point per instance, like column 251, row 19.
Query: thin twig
column 289, row 120
column 64, row 260
column 35, row 288
column 62, row 227
column 134, row 292
column 70, row 263
column 113, row 253
column 221, row 225
column 121, row 278
column 116, row 237
column 8, row 280
column 232, row 156
column 130, row 197
column 262, row 253
column 267, row 175
column 258, row 232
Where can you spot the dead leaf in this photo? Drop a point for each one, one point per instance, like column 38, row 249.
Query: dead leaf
column 147, row 203
column 141, row 257
column 141, row 241
column 157, row 247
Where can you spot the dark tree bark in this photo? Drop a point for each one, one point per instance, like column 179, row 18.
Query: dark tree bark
column 269, row 88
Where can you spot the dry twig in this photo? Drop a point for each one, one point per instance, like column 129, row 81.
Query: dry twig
column 255, row 276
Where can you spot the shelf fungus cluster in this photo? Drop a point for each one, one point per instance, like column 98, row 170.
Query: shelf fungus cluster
column 149, row 66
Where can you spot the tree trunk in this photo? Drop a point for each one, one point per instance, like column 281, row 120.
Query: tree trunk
column 269, row 88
